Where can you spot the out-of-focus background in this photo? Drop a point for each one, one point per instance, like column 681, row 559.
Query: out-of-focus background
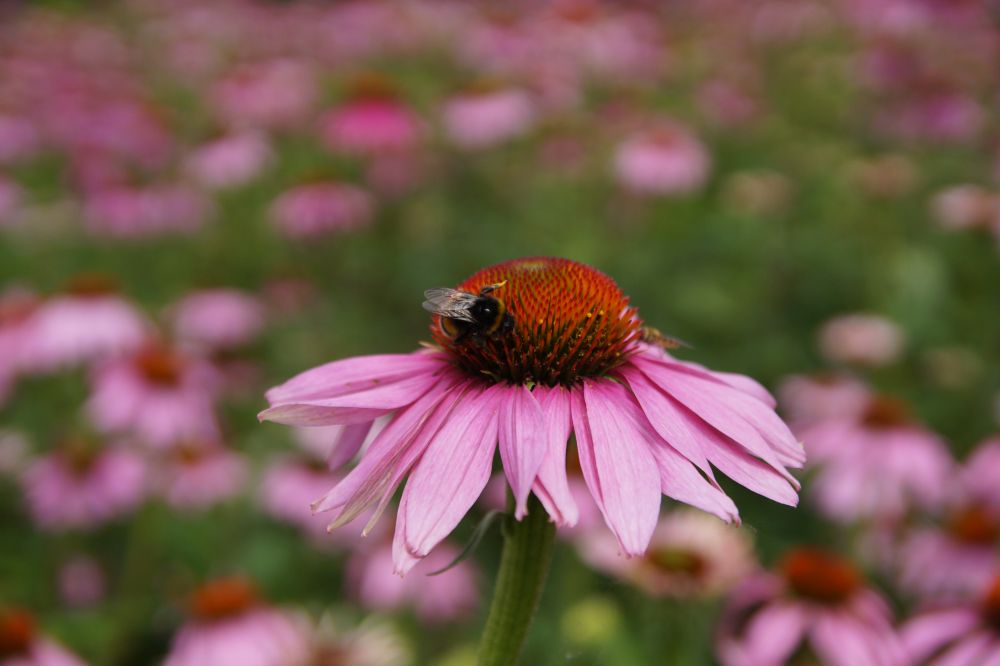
column 200, row 199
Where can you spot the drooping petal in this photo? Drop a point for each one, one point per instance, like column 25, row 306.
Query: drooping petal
column 450, row 475
column 347, row 444
column 522, row 442
column 926, row 634
column 351, row 375
column 774, row 632
column 551, row 486
column 352, row 408
column 617, row 464
column 680, row 480
column 392, row 453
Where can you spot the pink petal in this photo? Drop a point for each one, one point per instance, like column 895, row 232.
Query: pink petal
column 352, row 408
column 391, row 454
column 680, row 480
column 450, row 476
column 774, row 632
column 968, row 651
column 350, row 375
column 347, row 444
column 551, row 486
column 522, row 441
column 925, row 634
column 617, row 464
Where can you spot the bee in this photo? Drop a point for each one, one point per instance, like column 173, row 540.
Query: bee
column 465, row 315
column 654, row 336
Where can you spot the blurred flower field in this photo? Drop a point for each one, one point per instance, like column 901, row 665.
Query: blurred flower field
column 199, row 201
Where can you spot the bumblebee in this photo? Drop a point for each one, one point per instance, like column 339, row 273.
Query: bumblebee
column 468, row 316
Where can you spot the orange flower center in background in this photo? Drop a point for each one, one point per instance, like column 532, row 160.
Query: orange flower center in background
column 885, row 412
column 15, row 308
column 223, row 598
column 371, row 85
column 819, row 576
column 568, row 321
column 17, row 631
column 90, row 285
column 974, row 525
column 78, row 453
column 991, row 605
column 677, row 561
column 160, row 365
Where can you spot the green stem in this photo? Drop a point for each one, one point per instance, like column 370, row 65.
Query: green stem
column 527, row 553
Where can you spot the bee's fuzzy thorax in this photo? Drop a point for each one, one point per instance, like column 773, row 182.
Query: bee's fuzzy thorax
column 570, row 321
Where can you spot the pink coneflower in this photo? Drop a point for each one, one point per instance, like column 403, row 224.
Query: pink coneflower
column 16, row 309
column 567, row 356
column 964, row 635
column 956, row 560
column 129, row 212
column 19, row 139
column 83, row 484
column 230, row 624
column 288, row 489
column 485, row 118
column 446, row 597
column 317, row 209
column 816, row 607
column 87, row 322
column 691, row 555
column 372, row 643
column 372, row 120
column 229, row 161
column 810, row 399
column 965, row 207
column 82, row 582
column 978, row 477
column 666, row 161
column 877, row 465
column 217, row 318
column 22, row 645
column 199, row 474
column 159, row 394
column 272, row 94
column 864, row 339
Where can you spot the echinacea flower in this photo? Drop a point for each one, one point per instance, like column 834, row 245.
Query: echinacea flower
column 290, row 486
column 815, row 607
column 88, row 322
column 484, row 118
column 568, row 358
column 372, row 120
column 229, row 161
column 230, row 624
column 217, row 318
column 878, row 464
column 810, row 399
column 317, row 209
column 200, row 473
column 665, row 161
column 82, row 484
column 159, row 394
column 22, row 645
column 374, row 642
column 861, row 338
column 692, row 554
column 445, row 597
column 959, row 635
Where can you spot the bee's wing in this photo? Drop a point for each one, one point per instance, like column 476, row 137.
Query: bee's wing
column 450, row 303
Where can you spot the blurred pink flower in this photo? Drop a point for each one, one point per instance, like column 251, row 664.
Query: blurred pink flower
column 199, row 474
column 817, row 605
column 726, row 103
column 666, row 161
column 88, row 322
column 877, row 465
column 965, row 207
column 161, row 395
column 271, row 94
column 317, row 209
column 443, row 598
column 861, row 338
column 19, row 139
column 372, row 122
column 82, row 582
column 691, row 554
column 83, row 484
column 22, row 645
column 653, row 429
column 289, row 489
column 978, row 477
column 129, row 212
column 16, row 309
column 938, row 114
column 231, row 626
column 955, row 561
column 959, row 635
column 229, row 161
column 217, row 318
column 374, row 642
column 482, row 119
column 809, row 399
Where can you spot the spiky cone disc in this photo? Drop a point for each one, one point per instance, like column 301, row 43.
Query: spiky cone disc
column 570, row 321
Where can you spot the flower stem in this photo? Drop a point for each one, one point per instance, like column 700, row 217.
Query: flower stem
column 524, row 563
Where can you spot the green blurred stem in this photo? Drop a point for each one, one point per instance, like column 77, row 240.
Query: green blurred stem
column 524, row 564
